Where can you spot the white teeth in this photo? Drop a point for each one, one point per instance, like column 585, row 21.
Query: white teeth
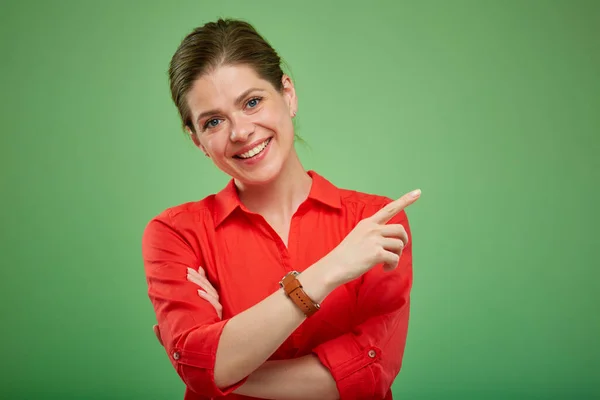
column 256, row 150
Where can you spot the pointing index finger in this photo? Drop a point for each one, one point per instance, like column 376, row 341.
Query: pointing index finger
column 391, row 209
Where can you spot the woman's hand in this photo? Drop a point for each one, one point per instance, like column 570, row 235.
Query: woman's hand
column 207, row 291
column 371, row 242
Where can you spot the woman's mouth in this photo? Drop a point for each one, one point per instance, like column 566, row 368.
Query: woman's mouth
column 254, row 151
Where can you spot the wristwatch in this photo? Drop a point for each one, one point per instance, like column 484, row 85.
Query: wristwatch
column 293, row 288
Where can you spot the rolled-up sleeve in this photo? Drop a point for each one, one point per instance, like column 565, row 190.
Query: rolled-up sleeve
column 189, row 326
column 365, row 361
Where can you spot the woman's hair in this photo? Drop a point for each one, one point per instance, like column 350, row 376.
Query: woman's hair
column 224, row 42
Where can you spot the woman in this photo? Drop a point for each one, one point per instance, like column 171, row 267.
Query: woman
column 281, row 286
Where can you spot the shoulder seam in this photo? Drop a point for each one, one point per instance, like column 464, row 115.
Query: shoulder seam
column 174, row 212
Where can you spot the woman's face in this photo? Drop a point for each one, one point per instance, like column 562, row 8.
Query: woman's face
column 243, row 123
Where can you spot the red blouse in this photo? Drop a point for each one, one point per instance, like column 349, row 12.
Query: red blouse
column 360, row 331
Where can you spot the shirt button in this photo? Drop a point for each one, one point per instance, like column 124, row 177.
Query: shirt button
column 372, row 353
column 176, row 356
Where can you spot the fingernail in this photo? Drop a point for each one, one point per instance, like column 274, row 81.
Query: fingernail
column 415, row 193
column 200, row 291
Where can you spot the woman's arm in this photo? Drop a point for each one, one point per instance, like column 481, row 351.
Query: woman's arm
column 365, row 361
column 303, row 378
column 252, row 336
column 380, row 340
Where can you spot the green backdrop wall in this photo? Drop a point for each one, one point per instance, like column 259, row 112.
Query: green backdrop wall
column 490, row 107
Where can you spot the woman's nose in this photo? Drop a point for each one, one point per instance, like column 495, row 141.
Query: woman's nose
column 241, row 129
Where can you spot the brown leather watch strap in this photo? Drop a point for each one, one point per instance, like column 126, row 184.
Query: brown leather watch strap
column 293, row 288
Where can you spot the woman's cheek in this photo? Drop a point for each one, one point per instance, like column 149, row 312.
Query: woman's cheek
column 216, row 143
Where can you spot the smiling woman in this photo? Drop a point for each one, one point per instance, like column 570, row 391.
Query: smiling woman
column 282, row 285
column 237, row 130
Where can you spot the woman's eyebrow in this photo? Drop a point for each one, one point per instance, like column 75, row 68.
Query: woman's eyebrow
column 242, row 96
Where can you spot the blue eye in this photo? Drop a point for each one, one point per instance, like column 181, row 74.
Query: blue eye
column 253, row 102
column 211, row 123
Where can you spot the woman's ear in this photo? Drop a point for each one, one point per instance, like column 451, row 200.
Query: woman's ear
column 194, row 138
column 289, row 93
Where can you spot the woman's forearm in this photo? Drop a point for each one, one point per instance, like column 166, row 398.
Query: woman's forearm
column 251, row 337
column 303, row 378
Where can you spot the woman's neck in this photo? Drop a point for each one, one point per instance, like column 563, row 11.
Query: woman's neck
column 280, row 198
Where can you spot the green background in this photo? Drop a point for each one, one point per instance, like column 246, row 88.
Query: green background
column 490, row 107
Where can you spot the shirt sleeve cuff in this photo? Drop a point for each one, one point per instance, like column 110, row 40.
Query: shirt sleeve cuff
column 196, row 367
column 350, row 366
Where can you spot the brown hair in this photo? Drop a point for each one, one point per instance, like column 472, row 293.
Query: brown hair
column 218, row 43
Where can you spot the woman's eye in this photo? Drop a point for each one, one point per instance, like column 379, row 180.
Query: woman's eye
column 211, row 123
column 253, row 102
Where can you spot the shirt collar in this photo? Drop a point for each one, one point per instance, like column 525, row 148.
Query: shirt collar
column 324, row 191
column 321, row 190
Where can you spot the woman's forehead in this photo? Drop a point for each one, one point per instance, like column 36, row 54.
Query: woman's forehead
column 229, row 79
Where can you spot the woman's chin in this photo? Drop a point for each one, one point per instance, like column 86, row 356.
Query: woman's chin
column 259, row 176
